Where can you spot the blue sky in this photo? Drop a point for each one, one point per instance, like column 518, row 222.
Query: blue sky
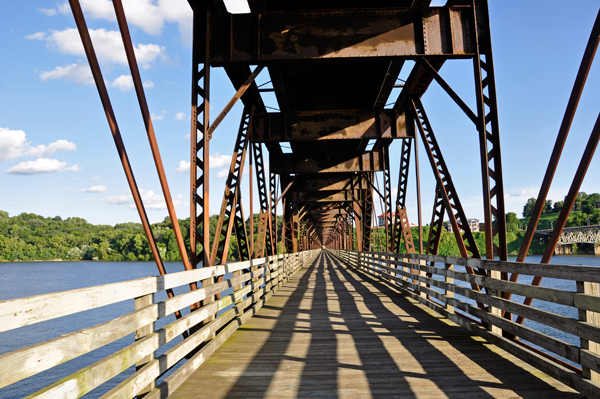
column 57, row 156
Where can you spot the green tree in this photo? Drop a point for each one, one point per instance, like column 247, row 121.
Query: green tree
column 512, row 222
column 528, row 208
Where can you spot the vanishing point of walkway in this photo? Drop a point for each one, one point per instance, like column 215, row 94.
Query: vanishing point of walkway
column 334, row 332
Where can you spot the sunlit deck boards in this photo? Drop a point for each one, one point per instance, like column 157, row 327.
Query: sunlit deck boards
column 330, row 333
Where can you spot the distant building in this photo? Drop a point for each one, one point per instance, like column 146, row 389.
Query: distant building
column 473, row 225
column 391, row 219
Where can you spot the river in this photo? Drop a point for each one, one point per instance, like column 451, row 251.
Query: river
column 33, row 278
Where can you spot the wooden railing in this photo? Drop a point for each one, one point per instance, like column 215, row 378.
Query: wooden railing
column 433, row 281
column 253, row 283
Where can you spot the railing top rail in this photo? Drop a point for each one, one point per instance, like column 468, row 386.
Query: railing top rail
column 567, row 272
column 20, row 312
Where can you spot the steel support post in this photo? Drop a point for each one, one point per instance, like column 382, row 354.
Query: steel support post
column 265, row 226
column 200, row 155
column 367, row 207
column 401, row 195
column 489, row 135
column 387, row 191
column 273, row 208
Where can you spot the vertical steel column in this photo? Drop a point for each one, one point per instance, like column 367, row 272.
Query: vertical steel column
column 200, row 155
column 265, row 226
column 387, row 191
column 273, row 216
column 437, row 223
column 367, row 211
column 231, row 198
column 401, row 195
column 489, row 135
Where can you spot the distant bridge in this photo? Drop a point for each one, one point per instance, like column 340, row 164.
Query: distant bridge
column 577, row 235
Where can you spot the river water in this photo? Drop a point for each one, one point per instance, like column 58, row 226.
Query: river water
column 33, row 278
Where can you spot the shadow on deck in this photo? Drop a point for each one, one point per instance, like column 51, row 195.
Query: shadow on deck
column 333, row 332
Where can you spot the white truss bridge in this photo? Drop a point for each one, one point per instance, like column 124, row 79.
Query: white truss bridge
column 577, row 235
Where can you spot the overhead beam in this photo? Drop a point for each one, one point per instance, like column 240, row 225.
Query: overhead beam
column 331, row 125
column 323, row 196
column 404, row 32
column 328, row 182
column 330, row 163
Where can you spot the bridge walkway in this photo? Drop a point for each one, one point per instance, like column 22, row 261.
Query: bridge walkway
column 334, row 332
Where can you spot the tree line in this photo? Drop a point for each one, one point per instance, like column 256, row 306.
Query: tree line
column 33, row 237
column 586, row 209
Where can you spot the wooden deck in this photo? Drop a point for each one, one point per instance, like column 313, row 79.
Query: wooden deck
column 331, row 332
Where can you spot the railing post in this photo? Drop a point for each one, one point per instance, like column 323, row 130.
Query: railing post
column 139, row 303
column 585, row 287
column 495, row 311
column 448, row 293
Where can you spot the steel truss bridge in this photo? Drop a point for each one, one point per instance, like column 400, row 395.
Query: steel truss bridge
column 575, row 235
column 333, row 66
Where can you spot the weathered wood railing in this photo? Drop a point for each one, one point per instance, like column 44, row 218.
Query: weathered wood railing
column 253, row 282
column 437, row 287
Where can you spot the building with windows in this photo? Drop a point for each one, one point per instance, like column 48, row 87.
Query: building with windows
column 391, row 219
column 473, row 225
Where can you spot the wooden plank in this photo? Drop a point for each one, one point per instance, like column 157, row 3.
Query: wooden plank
column 334, row 332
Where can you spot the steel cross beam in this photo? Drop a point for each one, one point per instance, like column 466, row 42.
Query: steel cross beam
column 265, row 226
column 231, row 197
column 401, row 196
column 446, row 187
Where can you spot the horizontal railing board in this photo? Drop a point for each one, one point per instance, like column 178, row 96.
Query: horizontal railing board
column 15, row 313
column 94, row 375
column 372, row 267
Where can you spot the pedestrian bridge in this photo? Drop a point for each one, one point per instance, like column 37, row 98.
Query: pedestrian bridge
column 323, row 323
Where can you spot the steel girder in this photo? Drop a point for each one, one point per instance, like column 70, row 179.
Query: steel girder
column 265, row 226
column 200, row 155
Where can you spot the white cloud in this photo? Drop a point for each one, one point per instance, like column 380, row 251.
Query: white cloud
column 123, row 83
column 95, row 189
column 187, row 136
column 95, row 178
column 14, row 144
column 41, row 165
column 150, row 199
column 222, row 174
column 148, row 84
column 78, row 73
column 107, row 44
column 183, row 167
column 49, row 12
column 147, row 15
column 180, row 116
column 523, row 193
column 217, row 161
column 36, row 36
column 157, row 117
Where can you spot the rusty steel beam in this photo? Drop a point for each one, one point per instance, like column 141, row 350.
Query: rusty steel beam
column 116, row 133
column 389, row 81
column 489, row 137
column 437, row 223
column 327, row 163
column 139, row 89
column 265, row 227
column 323, row 196
column 200, row 155
column 446, row 187
column 245, row 86
column 563, row 132
column 396, row 233
column 326, row 182
column 329, row 125
column 408, row 32
column 584, row 164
